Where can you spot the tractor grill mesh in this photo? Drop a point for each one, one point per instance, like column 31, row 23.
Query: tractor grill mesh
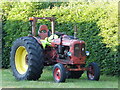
column 79, row 49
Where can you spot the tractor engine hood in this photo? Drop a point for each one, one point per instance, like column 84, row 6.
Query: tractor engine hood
column 67, row 42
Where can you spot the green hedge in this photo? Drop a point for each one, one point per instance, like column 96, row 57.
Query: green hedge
column 96, row 22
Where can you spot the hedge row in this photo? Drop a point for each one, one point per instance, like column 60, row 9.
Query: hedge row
column 96, row 22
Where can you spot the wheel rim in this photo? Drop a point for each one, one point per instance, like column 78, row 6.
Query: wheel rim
column 91, row 72
column 21, row 59
column 57, row 74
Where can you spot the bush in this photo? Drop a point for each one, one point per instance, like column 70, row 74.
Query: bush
column 96, row 22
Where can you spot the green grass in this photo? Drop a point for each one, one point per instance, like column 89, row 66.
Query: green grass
column 46, row 81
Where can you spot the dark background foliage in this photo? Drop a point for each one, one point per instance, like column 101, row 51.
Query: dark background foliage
column 97, row 25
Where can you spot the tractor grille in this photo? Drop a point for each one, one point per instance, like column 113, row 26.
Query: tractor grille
column 79, row 49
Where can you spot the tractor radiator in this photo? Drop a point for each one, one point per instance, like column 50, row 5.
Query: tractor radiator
column 79, row 50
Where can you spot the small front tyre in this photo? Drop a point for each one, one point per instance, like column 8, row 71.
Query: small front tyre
column 93, row 72
column 59, row 73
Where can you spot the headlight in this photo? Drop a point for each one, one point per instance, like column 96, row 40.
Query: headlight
column 69, row 53
column 87, row 53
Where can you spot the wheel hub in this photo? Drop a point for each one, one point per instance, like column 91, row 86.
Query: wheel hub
column 21, row 59
column 57, row 74
column 91, row 72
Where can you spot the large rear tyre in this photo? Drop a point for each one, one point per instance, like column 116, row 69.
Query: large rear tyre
column 26, row 59
column 59, row 73
column 93, row 72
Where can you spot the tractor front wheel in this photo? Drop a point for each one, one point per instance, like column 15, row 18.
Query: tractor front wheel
column 59, row 73
column 93, row 72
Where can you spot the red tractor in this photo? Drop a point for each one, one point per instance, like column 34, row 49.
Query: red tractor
column 31, row 53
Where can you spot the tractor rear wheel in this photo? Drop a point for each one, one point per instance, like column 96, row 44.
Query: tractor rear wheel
column 93, row 72
column 74, row 74
column 59, row 73
column 26, row 59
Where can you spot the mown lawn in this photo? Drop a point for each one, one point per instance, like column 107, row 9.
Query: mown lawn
column 46, row 81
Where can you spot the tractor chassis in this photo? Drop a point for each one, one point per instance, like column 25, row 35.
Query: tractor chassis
column 76, row 69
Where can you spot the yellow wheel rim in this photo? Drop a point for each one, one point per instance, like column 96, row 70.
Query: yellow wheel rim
column 21, row 60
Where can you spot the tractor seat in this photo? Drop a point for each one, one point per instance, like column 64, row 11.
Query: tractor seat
column 43, row 32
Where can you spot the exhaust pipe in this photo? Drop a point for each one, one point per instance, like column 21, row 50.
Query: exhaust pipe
column 75, row 32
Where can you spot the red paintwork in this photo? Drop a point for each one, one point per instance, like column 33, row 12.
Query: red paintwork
column 42, row 34
column 50, row 55
column 71, row 43
column 76, row 69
